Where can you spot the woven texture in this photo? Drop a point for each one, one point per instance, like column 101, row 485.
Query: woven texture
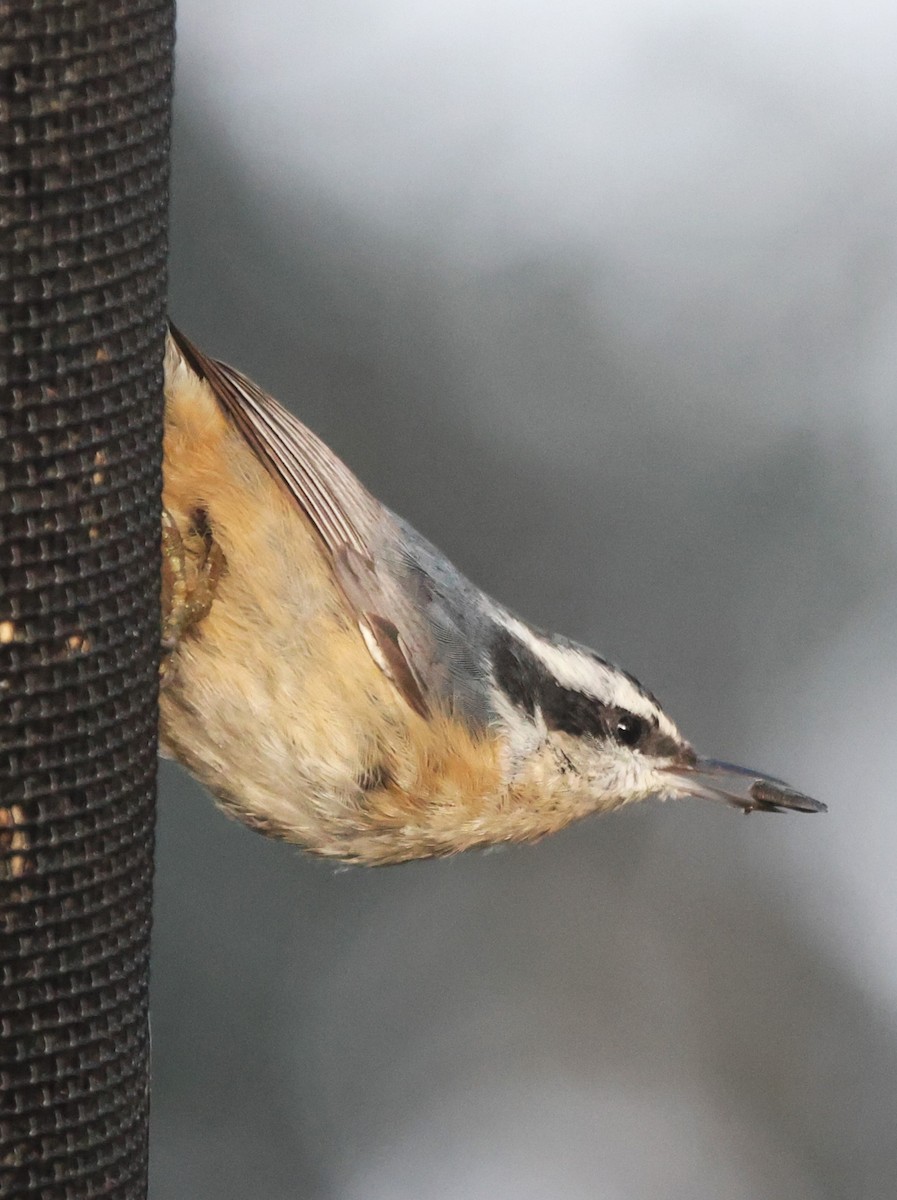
column 85, row 95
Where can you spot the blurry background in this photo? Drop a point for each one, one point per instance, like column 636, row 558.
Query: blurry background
column 604, row 302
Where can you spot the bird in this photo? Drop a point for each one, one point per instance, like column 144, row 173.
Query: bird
column 335, row 682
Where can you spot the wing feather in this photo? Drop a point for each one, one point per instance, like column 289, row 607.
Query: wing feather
column 345, row 516
column 340, row 509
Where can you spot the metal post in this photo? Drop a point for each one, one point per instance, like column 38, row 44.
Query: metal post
column 85, row 91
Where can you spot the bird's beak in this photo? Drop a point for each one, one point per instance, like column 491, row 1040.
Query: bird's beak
column 738, row 786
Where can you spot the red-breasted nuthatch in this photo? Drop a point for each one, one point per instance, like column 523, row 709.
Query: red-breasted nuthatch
column 333, row 680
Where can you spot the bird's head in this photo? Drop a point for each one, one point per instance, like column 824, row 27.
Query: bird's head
column 601, row 736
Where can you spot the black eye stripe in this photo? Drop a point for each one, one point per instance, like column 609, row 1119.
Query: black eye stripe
column 661, row 745
column 529, row 685
column 517, row 672
column 572, row 712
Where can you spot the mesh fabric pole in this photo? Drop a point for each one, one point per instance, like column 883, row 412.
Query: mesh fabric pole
column 84, row 118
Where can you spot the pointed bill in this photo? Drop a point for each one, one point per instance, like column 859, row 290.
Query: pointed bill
column 738, row 786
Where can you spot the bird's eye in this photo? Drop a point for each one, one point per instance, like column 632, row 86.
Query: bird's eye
column 628, row 729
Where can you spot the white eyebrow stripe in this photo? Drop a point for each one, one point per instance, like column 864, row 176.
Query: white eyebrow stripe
column 575, row 670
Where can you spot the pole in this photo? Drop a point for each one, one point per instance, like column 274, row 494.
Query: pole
column 85, row 89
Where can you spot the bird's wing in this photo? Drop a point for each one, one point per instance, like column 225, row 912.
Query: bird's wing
column 349, row 521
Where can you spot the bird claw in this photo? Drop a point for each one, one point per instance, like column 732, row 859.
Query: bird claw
column 192, row 565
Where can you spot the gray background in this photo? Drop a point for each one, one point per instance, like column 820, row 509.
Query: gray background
column 604, row 304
